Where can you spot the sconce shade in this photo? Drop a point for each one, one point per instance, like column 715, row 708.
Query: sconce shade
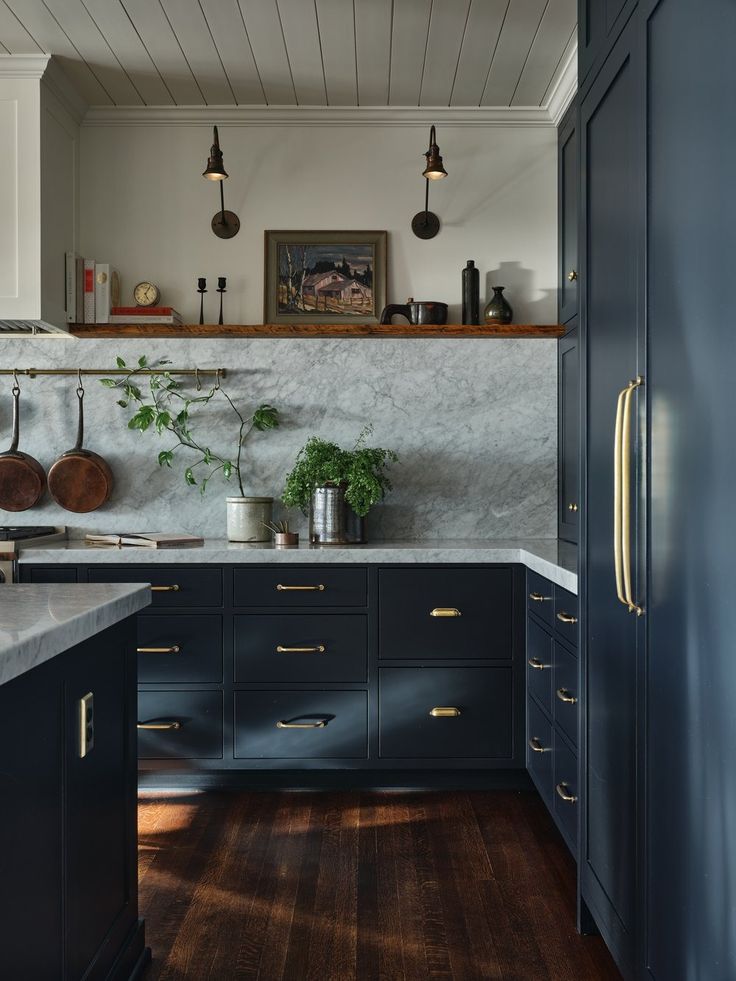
column 215, row 170
column 434, row 171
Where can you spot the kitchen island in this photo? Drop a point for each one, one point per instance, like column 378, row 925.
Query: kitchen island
column 68, row 903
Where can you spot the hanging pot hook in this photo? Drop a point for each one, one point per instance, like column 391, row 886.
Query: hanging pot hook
column 80, row 386
column 196, row 376
column 217, row 380
column 16, row 387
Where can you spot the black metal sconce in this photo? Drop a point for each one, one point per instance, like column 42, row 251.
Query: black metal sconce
column 225, row 224
column 426, row 224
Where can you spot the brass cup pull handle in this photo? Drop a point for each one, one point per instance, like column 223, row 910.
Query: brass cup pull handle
column 564, row 793
column 536, row 745
column 320, row 588
column 174, row 588
column 317, row 649
column 160, row 726
column 445, row 611
column 566, row 696
column 566, row 618
column 538, row 598
column 159, row 650
column 445, row 712
column 538, row 665
column 283, row 724
column 572, row 275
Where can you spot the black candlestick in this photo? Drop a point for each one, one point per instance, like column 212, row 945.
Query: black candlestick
column 201, row 289
column 221, row 288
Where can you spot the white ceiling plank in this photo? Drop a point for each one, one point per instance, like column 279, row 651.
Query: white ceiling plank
column 151, row 24
column 408, row 49
column 14, row 38
column 46, row 32
column 301, row 35
column 446, row 30
column 337, row 33
column 266, row 37
column 481, row 36
column 115, row 26
column 228, row 30
column 554, row 32
column 193, row 34
column 373, row 45
column 517, row 35
column 76, row 22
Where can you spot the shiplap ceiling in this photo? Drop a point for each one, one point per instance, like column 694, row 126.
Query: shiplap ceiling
column 300, row 52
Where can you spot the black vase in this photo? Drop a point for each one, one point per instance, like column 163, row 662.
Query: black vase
column 498, row 310
column 471, row 294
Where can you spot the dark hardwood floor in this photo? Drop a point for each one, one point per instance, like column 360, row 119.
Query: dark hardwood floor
column 361, row 885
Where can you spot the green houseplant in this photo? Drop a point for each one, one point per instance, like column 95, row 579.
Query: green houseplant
column 165, row 409
column 338, row 487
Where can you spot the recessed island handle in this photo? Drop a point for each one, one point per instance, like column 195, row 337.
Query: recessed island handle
column 317, row 649
column 159, row 650
column 160, row 726
column 445, row 611
column 444, row 712
column 320, row 588
column 283, row 724
column 174, row 588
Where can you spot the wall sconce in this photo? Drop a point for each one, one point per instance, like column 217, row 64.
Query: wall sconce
column 225, row 224
column 426, row 224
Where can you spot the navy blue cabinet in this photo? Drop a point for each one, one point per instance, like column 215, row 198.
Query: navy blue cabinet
column 599, row 24
column 568, row 380
column 568, row 195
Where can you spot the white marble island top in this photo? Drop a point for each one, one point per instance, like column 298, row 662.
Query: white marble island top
column 37, row 622
column 551, row 558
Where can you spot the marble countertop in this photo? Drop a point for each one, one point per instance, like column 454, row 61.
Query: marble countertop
column 37, row 622
column 551, row 558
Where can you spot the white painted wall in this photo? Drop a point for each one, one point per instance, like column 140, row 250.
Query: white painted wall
column 146, row 208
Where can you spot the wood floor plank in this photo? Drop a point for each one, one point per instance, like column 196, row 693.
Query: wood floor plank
column 360, row 886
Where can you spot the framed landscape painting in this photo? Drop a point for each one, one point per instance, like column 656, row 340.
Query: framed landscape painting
column 324, row 277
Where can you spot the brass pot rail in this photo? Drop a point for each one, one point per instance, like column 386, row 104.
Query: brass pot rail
column 218, row 373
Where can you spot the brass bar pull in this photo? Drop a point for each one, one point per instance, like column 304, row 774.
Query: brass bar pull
column 159, row 650
column 318, row 649
column 305, row 589
column 538, row 598
column 445, row 611
column 626, row 497
column 564, row 792
column 536, row 745
column 566, row 696
column 566, row 618
column 617, row 498
column 445, row 712
column 534, row 662
column 159, row 726
column 166, row 589
column 283, row 724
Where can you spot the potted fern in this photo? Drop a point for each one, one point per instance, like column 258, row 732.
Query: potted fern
column 166, row 410
column 338, row 487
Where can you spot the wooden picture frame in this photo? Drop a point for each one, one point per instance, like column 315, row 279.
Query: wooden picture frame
column 324, row 277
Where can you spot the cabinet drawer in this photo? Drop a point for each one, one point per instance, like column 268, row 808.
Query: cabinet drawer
column 48, row 573
column 540, row 596
column 481, row 730
column 539, row 664
column 198, row 735
column 417, row 619
column 539, row 749
column 565, row 700
column 565, row 800
column 315, row 725
column 291, row 648
column 285, row 586
column 566, row 615
column 193, row 587
column 181, row 647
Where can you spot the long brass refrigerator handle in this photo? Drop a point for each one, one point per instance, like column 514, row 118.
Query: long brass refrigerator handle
column 626, row 496
column 617, row 498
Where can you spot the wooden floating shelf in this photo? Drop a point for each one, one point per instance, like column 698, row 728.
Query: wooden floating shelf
column 315, row 330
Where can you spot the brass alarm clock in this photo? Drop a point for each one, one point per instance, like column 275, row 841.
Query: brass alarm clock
column 146, row 294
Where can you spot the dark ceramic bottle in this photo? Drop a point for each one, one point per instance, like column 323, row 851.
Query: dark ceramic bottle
column 471, row 294
column 498, row 310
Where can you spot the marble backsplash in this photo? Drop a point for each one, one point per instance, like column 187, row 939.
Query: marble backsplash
column 473, row 421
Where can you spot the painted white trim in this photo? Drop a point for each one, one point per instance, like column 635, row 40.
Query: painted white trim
column 563, row 88
column 23, row 65
column 420, row 116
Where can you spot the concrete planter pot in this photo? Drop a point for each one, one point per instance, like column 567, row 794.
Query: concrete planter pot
column 246, row 517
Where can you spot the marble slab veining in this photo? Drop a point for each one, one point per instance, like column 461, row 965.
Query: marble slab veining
column 553, row 559
column 37, row 622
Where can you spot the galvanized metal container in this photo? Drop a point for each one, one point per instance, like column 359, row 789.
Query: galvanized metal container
column 332, row 521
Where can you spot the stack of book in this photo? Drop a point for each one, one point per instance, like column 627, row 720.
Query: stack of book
column 92, row 289
column 144, row 315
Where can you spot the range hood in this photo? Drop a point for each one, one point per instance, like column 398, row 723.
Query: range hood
column 31, row 328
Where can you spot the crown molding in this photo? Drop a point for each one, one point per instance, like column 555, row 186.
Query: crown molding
column 59, row 83
column 563, row 88
column 23, row 65
column 422, row 116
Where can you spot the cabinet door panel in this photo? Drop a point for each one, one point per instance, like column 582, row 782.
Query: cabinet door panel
column 539, row 665
column 539, row 750
column 288, row 586
column 566, row 799
column 198, row 735
column 180, row 648
column 569, row 435
column 540, row 597
column 568, row 189
column 566, row 693
column 174, row 585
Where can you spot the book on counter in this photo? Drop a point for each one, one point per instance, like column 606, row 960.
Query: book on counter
column 146, row 540
column 107, row 291
column 144, row 315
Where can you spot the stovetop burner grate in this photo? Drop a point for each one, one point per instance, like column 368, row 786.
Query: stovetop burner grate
column 17, row 533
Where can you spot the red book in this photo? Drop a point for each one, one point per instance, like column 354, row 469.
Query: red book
column 143, row 311
column 89, row 291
